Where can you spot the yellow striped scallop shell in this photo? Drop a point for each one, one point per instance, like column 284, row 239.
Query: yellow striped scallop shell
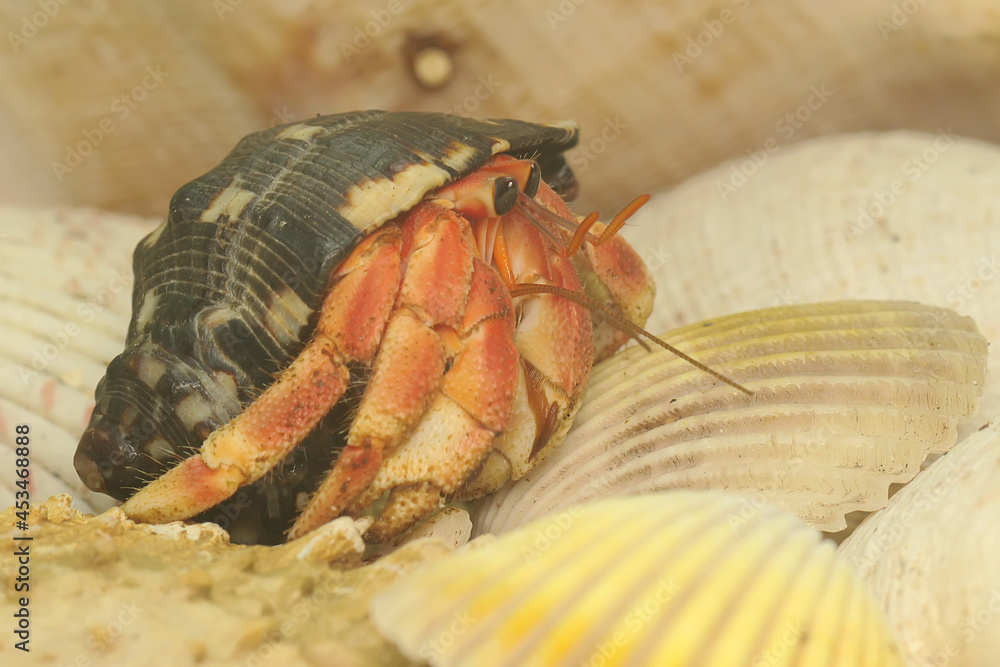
column 678, row 578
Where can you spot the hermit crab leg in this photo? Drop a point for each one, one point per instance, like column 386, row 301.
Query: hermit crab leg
column 486, row 377
column 349, row 329
column 472, row 407
column 430, row 395
column 532, row 375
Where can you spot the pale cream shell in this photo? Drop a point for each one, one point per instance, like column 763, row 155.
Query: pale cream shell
column 930, row 557
column 65, row 303
column 679, row 578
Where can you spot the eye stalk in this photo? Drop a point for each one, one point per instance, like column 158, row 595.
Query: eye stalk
column 504, row 194
column 533, row 181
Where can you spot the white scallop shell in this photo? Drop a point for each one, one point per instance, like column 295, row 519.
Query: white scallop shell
column 930, row 557
column 65, row 303
column 849, row 397
column 679, row 578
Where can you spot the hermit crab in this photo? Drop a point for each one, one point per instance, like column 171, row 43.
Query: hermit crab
column 357, row 308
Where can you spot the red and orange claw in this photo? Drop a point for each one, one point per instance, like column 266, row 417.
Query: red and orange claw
column 353, row 473
column 243, row 450
column 446, row 340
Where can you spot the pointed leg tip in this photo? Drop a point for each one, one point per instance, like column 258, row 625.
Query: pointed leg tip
column 184, row 491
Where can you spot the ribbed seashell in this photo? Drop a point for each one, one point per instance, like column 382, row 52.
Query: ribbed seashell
column 849, row 397
column 65, row 299
column 680, row 578
column 930, row 557
column 900, row 215
column 150, row 94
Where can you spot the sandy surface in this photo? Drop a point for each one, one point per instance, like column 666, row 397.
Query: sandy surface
column 107, row 591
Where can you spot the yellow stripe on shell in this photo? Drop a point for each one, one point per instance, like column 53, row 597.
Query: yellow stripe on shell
column 376, row 201
column 499, row 146
column 210, row 318
column 150, row 370
column 229, row 202
column 160, row 450
column 194, row 409
column 146, row 310
column 290, row 313
column 300, row 132
column 154, row 236
column 570, row 126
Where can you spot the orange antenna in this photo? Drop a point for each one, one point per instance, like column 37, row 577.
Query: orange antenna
column 580, row 230
column 619, row 220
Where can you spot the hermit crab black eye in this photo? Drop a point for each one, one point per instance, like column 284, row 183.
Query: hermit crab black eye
column 534, row 180
column 505, row 194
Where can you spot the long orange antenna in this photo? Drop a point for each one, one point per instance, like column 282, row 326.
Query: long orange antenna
column 581, row 230
column 581, row 233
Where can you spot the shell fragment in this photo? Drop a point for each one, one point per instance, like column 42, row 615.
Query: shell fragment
column 931, row 554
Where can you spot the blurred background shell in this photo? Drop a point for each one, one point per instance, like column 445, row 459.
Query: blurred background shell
column 682, row 578
column 148, row 95
column 930, row 556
